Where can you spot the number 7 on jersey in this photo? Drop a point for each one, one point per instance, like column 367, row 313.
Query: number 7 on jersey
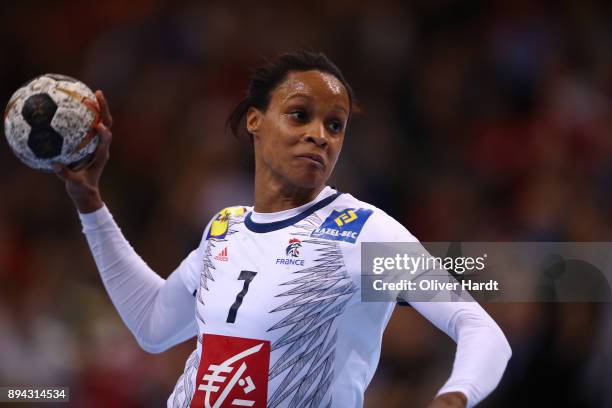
column 247, row 277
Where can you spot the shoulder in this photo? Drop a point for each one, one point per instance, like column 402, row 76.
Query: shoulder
column 350, row 219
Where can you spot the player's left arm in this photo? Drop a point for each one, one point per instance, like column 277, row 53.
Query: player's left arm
column 482, row 349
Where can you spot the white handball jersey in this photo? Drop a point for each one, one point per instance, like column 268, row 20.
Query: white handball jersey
column 280, row 321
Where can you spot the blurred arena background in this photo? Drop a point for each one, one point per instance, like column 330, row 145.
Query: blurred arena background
column 483, row 121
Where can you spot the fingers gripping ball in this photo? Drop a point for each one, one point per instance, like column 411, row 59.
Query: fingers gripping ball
column 51, row 119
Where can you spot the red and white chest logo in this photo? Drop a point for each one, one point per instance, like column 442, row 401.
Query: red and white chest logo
column 222, row 256
column 233, row 372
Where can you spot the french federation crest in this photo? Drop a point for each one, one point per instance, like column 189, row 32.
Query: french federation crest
column 294, row 247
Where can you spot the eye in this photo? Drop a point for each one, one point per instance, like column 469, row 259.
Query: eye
column 299, row 115
column 336, row 126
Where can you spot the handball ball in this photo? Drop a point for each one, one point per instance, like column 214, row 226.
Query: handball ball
column 51, row 119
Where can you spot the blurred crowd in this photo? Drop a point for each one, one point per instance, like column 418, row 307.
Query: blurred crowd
column 481, row 121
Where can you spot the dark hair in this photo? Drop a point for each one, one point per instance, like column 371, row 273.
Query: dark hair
column 267, row 77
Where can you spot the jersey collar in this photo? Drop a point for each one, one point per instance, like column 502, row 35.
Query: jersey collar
column 273, row 226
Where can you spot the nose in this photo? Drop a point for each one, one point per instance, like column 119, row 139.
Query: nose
column 316, row 134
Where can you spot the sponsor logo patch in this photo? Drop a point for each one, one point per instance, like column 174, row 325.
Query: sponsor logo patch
column 220, row 225
column 233, row 372
column 343, row 225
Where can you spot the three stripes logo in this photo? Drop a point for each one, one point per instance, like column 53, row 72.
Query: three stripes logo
column 222, row 256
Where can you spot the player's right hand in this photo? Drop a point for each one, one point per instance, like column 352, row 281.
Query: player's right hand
column 83, row 185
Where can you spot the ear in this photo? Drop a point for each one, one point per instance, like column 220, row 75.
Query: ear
column 254, row 118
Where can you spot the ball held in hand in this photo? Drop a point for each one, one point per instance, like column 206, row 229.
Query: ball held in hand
column 51, row 119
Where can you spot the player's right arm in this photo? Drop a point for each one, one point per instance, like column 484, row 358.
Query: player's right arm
column 160, row 313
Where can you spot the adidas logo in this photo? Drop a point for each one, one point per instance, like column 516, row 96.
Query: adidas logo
column 222, row 256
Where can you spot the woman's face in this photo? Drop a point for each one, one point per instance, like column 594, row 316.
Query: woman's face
column 299, row 137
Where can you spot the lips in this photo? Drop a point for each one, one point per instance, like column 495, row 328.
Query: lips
column 317, row 158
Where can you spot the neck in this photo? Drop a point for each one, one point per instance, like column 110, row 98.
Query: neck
column 271, row 195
